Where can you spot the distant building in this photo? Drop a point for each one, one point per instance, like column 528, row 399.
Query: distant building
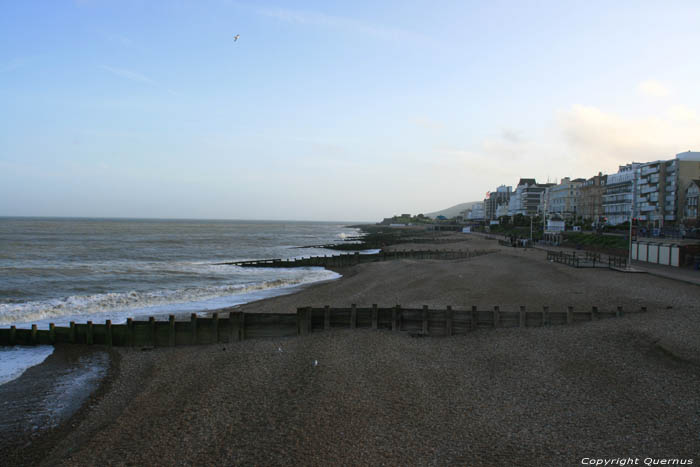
column 662, row 189
column 690, row 208
column 590, row 200
column 476, row 213
column 688, row 174
column 527, row 198
column 494, row 200
column 562, row 199
column 619, row 194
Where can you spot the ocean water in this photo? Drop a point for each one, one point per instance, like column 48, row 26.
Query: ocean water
column 61, row 270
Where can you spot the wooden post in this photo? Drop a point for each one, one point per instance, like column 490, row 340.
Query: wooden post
column 234, row 333
column 152, row 328
column 129, row 331
column 357, row 257
column 425, row 319
column 33, row 334
column 300, row 321
column 569, row 315
column 72, row 332
column 193, row 328
column 89, row 333
column 521, row 321
column 395, row 317
column 13, row 335
column 618, row 312
column 644, row 309
column 108, row 333
column 474, row 318
column 241, row 325
column 496, row 316
column 375, row 316
column 545, row 315
column 326, row 318
column 52, row 333
column 171, row 330
column 594, row 313
column 448, row 321
column 353, row 316
column 215, row 317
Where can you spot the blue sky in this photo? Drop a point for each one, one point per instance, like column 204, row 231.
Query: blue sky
column 330, row 110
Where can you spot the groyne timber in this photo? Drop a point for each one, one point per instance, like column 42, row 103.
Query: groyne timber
column 344, row 260
column 238, row 326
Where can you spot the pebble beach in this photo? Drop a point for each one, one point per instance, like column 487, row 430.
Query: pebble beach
column 626, row 387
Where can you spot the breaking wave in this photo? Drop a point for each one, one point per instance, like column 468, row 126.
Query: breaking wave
column 106, row 305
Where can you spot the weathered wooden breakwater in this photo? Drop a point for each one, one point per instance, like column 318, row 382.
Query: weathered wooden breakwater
column 346, row 260
column 587, row 259
column 237, row 326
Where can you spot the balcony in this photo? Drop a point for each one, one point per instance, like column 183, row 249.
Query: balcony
column 647, row 208
column 650, row 170
column 648, row 189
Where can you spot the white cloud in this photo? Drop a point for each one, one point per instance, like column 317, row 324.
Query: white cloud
column 428, row 124
column 129, row 74
column 653, row 88
column 352, row 25
column 604, row 139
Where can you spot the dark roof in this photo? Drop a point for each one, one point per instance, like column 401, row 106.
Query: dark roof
column 578, row 180
column 528, row 181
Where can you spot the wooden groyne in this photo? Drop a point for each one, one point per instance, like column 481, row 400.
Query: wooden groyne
column 238, row 326
column 587, row 259
column 346, row 260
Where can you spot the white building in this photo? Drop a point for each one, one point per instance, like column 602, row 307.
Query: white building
column 562, row 199
column 477, row 212
column 619, row 194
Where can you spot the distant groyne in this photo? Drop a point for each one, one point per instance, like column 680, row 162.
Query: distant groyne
column 346, row 260
column 238, row 326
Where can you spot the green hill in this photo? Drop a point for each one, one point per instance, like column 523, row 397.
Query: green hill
column 452, row 211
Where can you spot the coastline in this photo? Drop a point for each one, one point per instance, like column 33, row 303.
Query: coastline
column 363, row 369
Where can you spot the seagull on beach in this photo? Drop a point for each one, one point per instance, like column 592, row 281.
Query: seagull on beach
column 279, row 349
column 315, row 362
column 235, row 38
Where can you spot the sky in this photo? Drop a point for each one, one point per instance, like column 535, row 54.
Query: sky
column 331, row 110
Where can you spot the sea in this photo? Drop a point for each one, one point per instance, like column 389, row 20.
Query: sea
column 57, row 270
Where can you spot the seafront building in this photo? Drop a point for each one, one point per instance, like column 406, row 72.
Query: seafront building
column 690, row 207
column 496, row 200
column 655, row 194
column 590, row 199
column 476, row 213
column 562, row 199
column 662, row 188
column 528, row 197
column 619, row 194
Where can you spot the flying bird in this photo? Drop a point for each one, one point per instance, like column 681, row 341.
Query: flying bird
column 235, row 38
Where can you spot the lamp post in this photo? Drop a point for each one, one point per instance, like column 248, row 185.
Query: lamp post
column 629, row 257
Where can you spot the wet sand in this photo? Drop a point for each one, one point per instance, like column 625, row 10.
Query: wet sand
column 532, row 396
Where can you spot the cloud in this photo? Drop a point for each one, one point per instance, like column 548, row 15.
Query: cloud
column 129, row 74
column 511, row 136
column 604, row 139
column 428, row 123
column 341, row 23
column 13, row 65
column 653, row 88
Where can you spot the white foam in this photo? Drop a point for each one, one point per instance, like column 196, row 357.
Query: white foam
column 16, row 360
column 119, row 306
